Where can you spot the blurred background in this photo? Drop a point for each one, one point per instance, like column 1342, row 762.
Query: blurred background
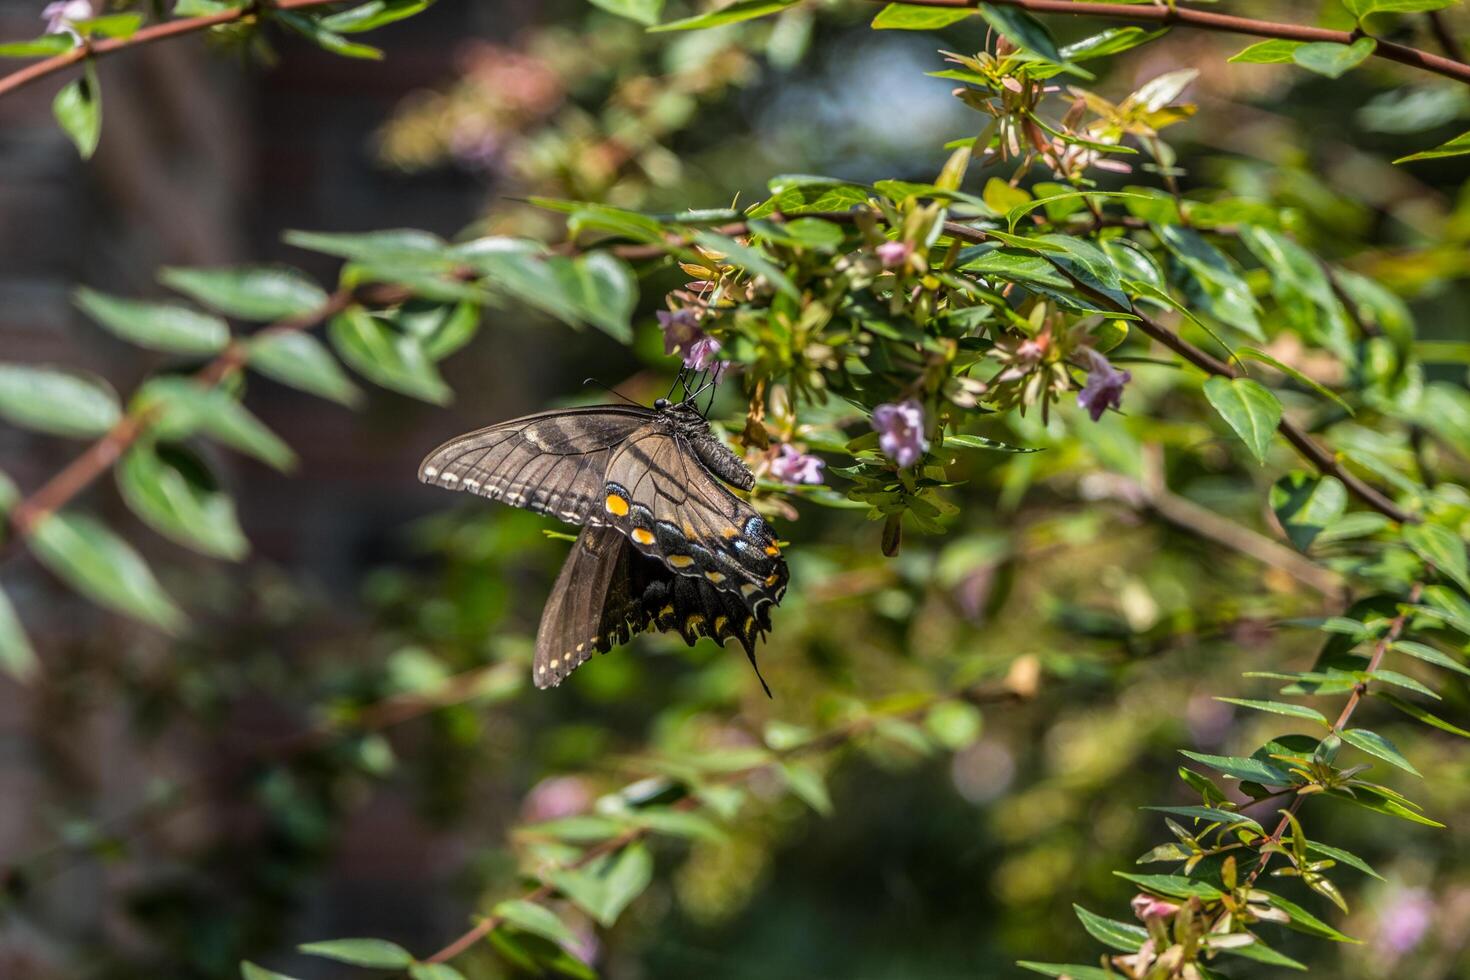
column 169, row 807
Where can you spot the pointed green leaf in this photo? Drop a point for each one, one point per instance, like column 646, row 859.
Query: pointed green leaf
column 1343, row 857
column 1242, row 768
column 1440, row 547
column 1331, row 59
column 645, row 12
column 1428, row 654
column 388, row 358
column 81, row 551
column 1306, row 505
column 1172, row 886
column 1262, row 953
column 1110, row 932
column 1280, row 708
column 1458, row 146
column 59, row 402
column 912, row 17
column 1376, row 745
column 1380, row 804
column 1416, row 712
column 1273, row 52
column 249, row 971
column 433, row 971
column 731, row 14
column 808, row 786
column 166, row 327
column 1305, row 921
column 1071, row 971
column 1250, row 409
column 1362, row 8
column 372, row 15
column 1206, row 813
column 184, row 408
column 1028, row 34
column 299, row 360
column 536, row 919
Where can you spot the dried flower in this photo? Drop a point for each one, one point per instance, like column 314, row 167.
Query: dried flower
column 900, row 427
column 1104, row 388
column 794, row 466
column 1148, row 907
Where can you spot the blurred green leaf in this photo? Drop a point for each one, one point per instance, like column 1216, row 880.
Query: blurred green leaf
column 249, row 971
column 81, row 551
column 1216, row 280
column 299, row 360
column 1028, row 34
column 316, row 31
column 1458, row 146
column 1362, row 8
column 387, row 358
column 537, row 919
column 78, row 110
column 372, row 15
column 433, row 971
column 645, row 12
column 376, row 953
column 1306, row 505
column 911, row 17
column 1069, row 971
column 1441, row 548
column 17, row 656
column 175, row 502
column 59, row 402
column 41, row 47
column 953, row 724
column 808, row 785
column 157, row 326
column 259, row 293
column 184, row 408
column 731, row 14
column 1333, row 60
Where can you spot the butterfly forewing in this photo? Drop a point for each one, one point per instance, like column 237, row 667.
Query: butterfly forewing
column 553, row 463
column 671, row 507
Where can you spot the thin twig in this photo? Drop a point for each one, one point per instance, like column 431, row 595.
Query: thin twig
column 1170, row 15
column 158, row 32
column 1444, row 35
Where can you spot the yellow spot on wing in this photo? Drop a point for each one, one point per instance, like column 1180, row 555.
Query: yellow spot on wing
column 731, row 532
column 642, row 536
column 720, row 622
column 772, row 550
column 680, row 561
column 775, row 577
column 666, row 611
column 715, row 577
column 688, row 530
column 616, row 505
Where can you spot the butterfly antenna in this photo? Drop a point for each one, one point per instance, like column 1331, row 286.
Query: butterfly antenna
column 750, row 655
column 609, row 389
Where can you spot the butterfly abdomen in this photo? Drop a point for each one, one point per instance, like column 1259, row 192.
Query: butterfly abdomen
column 720, row 461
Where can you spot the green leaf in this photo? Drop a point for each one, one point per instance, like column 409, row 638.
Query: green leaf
column 645, row 12
column 1343, row 857
column 58, row 402
column 1250, row 409
column 1261, row 953
column 1215, row 281
column 808, row 786
column 166, row 327
column 536, row 919
column 1458, row 146
column 678, row 823
column 1028, row 34
column 41, row 47
column 395, row 245
column 168, row 492
column 1376, row 745
column 803, row 194
column 110, row 25
column 1307, row 505
column 597, row 288
column 1110, row 932
column 1362, row 8
column 1440, row 547
column 372, row 15
column 433, row 971
column 1253, row 354
column 1380, row 804
column 376, row 953
column 1206, row 813
column 630, row 874
column 964, row 441
column 1333, row 60
column 1414, row 711
column 312, row 29
column 187, row 408
column 385, row 357
column 1304, row 921
column 1114, row 40
column 751, row 259
column 78, row 110
column 17, row 656
column 1279, row 708
column 250, row 292
column 81, row 551
column 910, row 17
column 1069, row 970
column 1253, row 770
column 733, row 14
column 1172, row 886
column 299, row 360
column 249, row 971
column 954, row 724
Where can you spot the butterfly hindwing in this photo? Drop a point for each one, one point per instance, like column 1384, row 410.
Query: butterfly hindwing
column 672, row 508
column 552, row 463
column 607, row 592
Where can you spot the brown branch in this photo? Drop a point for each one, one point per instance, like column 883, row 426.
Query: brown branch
column 1440, row 28
column 1170, row 15
column 158, row 32
column 1395, row 630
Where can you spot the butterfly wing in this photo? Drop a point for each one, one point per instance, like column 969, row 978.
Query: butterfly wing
column 672, row 508
column 607, row 592
column 551, row 462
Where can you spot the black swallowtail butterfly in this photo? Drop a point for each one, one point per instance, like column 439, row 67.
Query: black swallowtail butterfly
column 665, row 545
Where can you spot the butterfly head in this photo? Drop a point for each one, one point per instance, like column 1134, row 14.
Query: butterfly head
column 661, row 404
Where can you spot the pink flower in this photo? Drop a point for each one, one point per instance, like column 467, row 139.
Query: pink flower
column 1104, row 388
column 683, row 334
column 793, row 466
column 557, row 797
column 1404, row 920
column 1147, row 907
column 62, row 14
column 900, row 428
column 894, row 254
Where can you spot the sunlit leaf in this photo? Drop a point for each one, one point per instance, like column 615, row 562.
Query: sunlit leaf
column 1249, row 408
